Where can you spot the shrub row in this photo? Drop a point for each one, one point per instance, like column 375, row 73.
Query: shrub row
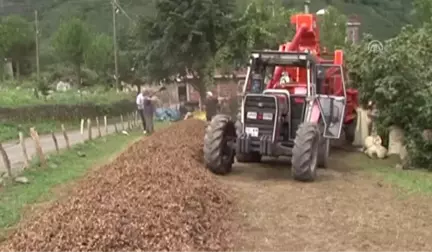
column 64, row 112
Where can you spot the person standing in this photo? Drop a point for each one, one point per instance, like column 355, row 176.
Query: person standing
column 140, row 107
column 149, row 110
column 211, row 106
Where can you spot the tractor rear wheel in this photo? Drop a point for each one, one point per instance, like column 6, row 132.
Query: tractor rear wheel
column 350, row 131
column 305, row 152
column 218, row 153
column 253, row 157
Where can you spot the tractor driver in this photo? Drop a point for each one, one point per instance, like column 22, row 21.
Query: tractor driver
column 286, row 79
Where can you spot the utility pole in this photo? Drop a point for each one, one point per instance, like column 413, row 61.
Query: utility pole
column 114, row 13
column 37, row 45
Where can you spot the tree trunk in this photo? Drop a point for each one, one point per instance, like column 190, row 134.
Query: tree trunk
column 200, row 87
column 18, row 70
column 78, row 74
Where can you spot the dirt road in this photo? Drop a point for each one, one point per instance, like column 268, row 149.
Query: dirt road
column 346, row 209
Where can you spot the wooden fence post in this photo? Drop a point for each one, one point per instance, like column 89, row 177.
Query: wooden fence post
column 98, row 127
column 89, row 129
column 55, row 141
column 129, row 126
column 38, row 147
column 136, row 118
column 122, row 122
column 106, row 125
column 65, row 136
column 82, row 128
column 6, row 161
column 24, row 149
column 115, row 127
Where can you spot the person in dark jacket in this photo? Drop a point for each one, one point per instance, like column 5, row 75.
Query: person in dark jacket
column 182, row 109
column 149, row 110
column 211, row 106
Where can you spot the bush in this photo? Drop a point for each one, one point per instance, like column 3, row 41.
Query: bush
column 399, row 81
column 64, row 112
column 17, row 97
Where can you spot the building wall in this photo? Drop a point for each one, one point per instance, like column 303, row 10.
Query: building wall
column 223, row 88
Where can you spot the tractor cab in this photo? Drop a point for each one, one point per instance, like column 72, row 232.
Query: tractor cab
column 302, row 76
column 291, row 88
column 295, row 68
column 296, row 117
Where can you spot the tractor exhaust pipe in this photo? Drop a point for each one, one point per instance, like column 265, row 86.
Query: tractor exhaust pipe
column 306, row 6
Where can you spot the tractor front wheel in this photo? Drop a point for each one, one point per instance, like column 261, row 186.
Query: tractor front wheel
column 218, row 153
column 305, row 152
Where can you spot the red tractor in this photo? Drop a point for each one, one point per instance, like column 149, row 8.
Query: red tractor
column 295, row 102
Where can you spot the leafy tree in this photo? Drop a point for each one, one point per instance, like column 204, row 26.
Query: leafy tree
column 17, row 40
column 398, row 82
column 184, row 37
column 262, row 25
column 422, row 11
column 332, row 29
column 99, row 55
column 71, row 42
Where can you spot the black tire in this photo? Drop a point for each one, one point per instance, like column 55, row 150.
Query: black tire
column 305, row 152
column 350, row 131
column 218, row 156
column 253, row 157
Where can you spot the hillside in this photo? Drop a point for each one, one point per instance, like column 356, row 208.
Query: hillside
column 382, row 18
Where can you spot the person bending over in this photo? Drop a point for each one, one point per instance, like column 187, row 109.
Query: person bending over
column 211, row 106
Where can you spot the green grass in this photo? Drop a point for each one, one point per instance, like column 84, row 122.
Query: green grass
column 10, row 97
column 64, row 167
column 412, row 181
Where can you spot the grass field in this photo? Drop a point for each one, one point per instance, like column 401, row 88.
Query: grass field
column 412, row 181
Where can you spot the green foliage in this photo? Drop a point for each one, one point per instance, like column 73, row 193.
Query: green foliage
column 99, row 55
column 16, row 36
column 24, row 97
column 71, row 41
column 422, row 11
column 332, row 29
column 262, row 25
column 184, row 37
column 16, row 39
column 400, row 84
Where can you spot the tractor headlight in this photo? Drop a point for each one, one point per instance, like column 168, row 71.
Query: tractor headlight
column 268, row 116
column 251, row 115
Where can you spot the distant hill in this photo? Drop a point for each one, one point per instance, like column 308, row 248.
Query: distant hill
column 382, row 18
